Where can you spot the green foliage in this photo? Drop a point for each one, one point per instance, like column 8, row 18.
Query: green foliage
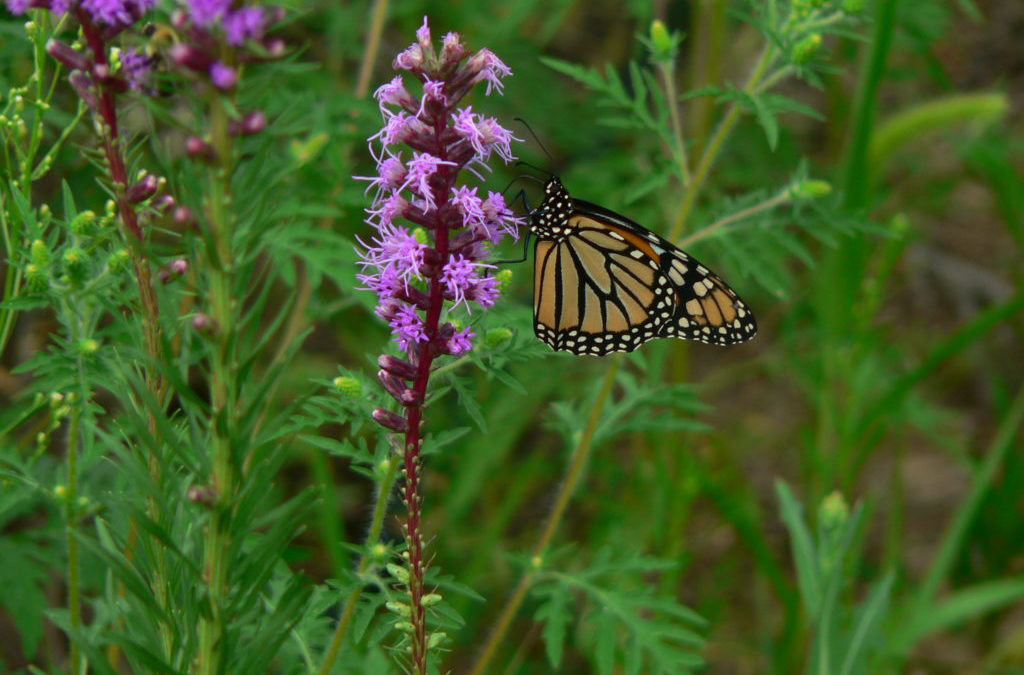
column 868, row 206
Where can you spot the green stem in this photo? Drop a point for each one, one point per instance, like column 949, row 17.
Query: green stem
column 714, row 146
column 372, row 46
column 669, row 82
column 222, row 380
column 576, row 465
column 783, row 197
column 71, row 516
column 376, row 525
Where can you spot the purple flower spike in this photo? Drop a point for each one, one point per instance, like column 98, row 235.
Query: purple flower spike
column 447, row 259
column 422, row 275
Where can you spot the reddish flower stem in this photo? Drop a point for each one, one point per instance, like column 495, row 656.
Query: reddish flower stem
column 413, row 441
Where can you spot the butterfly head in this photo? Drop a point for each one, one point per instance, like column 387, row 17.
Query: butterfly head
column 549, row 220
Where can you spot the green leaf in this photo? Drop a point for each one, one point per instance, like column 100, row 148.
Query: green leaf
column 804, row 553
column 555, row 615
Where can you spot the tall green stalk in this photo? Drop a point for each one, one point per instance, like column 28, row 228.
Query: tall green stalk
column 223, row 370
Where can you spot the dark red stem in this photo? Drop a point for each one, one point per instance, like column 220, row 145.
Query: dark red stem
column 413, row 439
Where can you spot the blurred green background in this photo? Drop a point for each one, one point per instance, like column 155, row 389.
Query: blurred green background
column 888, row 366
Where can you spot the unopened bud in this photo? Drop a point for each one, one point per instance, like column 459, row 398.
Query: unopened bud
column 197, row 148
column 190, row 57
column 66, row 55
column 203, row 495
column 76, row 264
column 811, row 189
column 390, row 420
column 253, row 123
column 805, row 50
column 396, row 366
column 183, row 216
column 84, row 224
column 202, row 322
column 143, row 189
column 118, row 260
column 349, row 386
column 39, row 253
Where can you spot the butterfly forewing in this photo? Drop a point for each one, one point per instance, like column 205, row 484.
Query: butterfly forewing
column 604, row 283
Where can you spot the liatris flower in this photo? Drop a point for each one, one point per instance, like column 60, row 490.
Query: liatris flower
column 208, row 23
column 435, row 261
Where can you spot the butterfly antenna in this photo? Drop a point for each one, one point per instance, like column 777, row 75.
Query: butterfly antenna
column 539, row 144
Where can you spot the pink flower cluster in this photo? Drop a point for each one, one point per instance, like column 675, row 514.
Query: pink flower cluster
column 415, row 274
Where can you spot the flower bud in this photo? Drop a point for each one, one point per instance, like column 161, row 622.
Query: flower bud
column 452, row 49
column 37, row 279
column 76, row 265
column 805, row 50
column 392, row 421
column 399, row 608
column 82, row 84
column 430, row 599
column 118, row 260
column 202, row 495
column 497, row 336
column 436, row 639
column 164, row 203
column 190, row 57
column 183, row 216
column 811, row 189
column 397, row 366
column 349, row 386
column 84, row 224
column 398, row 572
column 222, row 76
column 202, row 323
column 833, row 512
column 663, row 43
column 88, row 346
column 253, row 123
column 69, row 57
column 197, row 148
column 39, row 253
column 143, row 189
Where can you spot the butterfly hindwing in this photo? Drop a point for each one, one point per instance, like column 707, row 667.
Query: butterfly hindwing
column 604, row 283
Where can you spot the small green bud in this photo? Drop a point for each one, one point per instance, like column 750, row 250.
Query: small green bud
column 84, row 224
column 349, row 386
column 833, row 512
column 382, row 468
column 404, row 626
column 496, row 336
column 110, row 208
column 118, row 260
column 88, row 346
column 536, row 562
column 430, row 599
column 436, row 639
column 420, row 235
column 811, row 189
column 39, row 253
column 399, row 608
column 504, row 277
column 398, row 572
column 76, row 264
column 60, row 491
column 663, row 43
column 379, row 551
column 56, row 398
column 45, row 212
column 37, row 279
column 805, row 50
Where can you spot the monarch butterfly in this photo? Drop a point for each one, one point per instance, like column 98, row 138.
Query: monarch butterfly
column 603, row 283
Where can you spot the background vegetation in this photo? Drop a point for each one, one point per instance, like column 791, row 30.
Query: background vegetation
column 840, row 495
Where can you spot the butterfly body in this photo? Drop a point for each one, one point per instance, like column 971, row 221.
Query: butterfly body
column 604, row 283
